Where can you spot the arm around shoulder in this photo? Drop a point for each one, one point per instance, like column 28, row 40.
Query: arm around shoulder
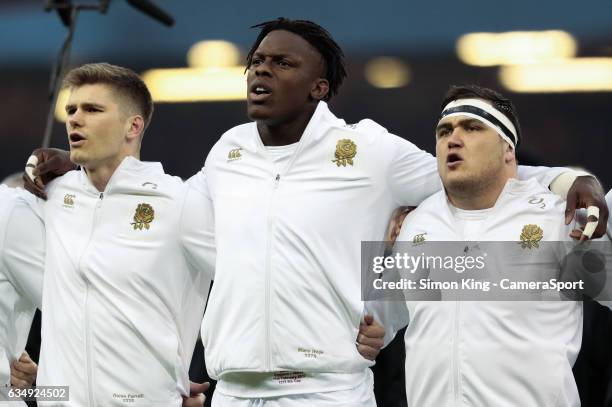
column 197, row 229
column 412, row 173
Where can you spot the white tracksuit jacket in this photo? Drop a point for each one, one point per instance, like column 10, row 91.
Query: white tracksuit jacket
column 482, row 354
column 22, row 245
column 123, row 294
column 287, row 282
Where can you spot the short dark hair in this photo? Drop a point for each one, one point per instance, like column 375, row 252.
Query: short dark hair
column 123, row 80
column 500, row 102
column 315, row 35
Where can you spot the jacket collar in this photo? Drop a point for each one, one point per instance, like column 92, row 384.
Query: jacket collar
column 513, row 188
column 321, row 121
column 127, row 170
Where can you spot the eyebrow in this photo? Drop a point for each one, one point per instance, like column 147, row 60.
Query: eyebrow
column 443, row 126
column 470, row 121
column 275, row 56
column 464, row 122
column 85, row 106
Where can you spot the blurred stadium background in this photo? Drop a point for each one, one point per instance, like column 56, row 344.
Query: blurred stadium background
column 557, row 69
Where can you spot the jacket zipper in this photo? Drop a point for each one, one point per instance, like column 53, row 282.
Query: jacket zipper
column 456, row 369
column 268, row 274
column 88, row 355
column 277, row 177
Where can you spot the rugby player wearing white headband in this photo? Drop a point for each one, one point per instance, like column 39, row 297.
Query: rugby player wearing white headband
column 503, row 126
column 499, row 353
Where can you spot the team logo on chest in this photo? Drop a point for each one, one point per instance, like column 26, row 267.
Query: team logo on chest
column 234, row 154
column 419, row 239
column 346, row 150
column 143, row 217
column 69, row 200
column 531, row 236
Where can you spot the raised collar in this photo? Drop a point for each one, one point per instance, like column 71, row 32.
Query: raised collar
column 128, row 169
column 320, row 122
column 512, row 188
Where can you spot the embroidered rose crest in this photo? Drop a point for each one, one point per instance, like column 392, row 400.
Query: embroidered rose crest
column 144, row 216
column 345, row 152
column 531, row 236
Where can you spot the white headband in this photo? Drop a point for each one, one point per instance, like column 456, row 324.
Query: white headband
column 486, row 113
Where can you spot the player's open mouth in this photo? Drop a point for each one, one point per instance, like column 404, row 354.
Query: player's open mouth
column 259, row 92
column 453, row 160
column 76, row 139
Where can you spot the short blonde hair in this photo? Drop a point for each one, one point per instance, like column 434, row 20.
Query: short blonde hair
column 123, row 80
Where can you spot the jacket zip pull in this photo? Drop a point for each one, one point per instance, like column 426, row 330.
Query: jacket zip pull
column 101, row 195
column 276, row 180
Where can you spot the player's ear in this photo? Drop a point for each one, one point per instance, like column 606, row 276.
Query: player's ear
column 320, row 89
column 135, row 126
column 509, row 153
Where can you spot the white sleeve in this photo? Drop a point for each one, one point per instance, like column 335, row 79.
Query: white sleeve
column 393, row 315
column 412, row 174
column 198, row 229
column 24, row 251
column 544, row 175
column 198, row 182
